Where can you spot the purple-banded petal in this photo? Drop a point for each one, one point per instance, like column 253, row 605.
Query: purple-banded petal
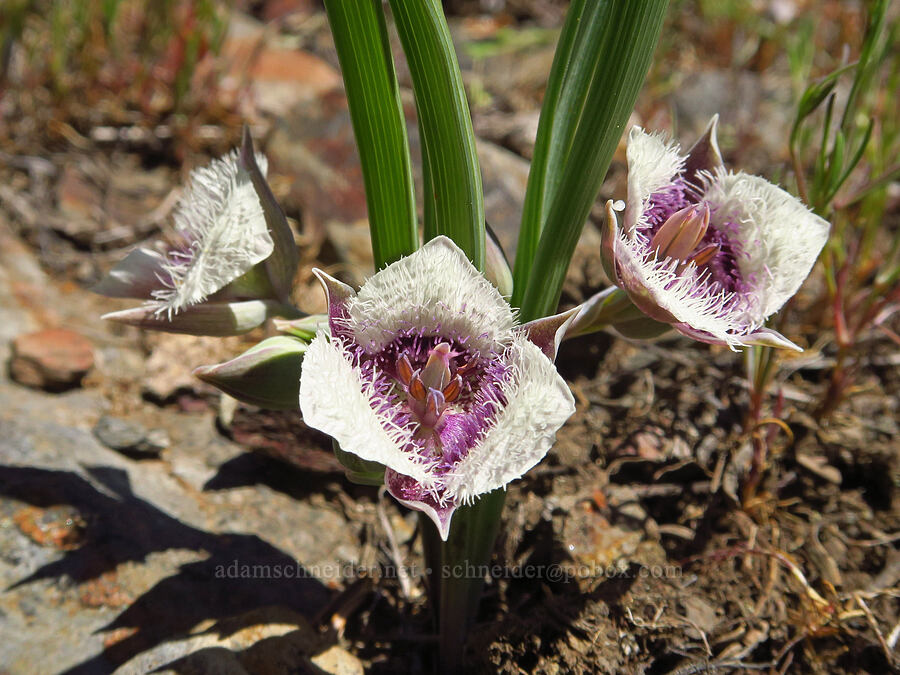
column 547, row 333
column 704, row 156
column 538, row 402
column 214, row 319
column 782, row 238
column 437, row 289
column 335, row 399
column 630, row 271
column 412, row 495
column 266, row 375
column 136, row 276
column 281, row 265
column 338, row 295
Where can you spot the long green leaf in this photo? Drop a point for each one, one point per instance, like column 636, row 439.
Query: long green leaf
column 576, row 86
column 454, row 205
column 361, row 40
column 630, row 30
column 535, row 198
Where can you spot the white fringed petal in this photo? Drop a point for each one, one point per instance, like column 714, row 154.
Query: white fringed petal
column 222, row 219
column 538, row 403
column 653, row 163
column 658, row 288
column 335, row 400
column 781, row 238
column 436, row 289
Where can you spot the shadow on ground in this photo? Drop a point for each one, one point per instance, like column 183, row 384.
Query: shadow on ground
column 121, row 527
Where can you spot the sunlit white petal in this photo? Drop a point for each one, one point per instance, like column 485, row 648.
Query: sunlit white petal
column 653, row 161
column 222, row 222
column 538, row 403
column 337, row 401
column 436, row 288
column 782, row 238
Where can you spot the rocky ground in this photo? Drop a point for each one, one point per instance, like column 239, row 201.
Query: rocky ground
column 137, row 505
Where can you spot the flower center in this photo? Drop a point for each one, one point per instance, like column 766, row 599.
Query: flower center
column 677, row 224
column 433, row 387
column 681, row 234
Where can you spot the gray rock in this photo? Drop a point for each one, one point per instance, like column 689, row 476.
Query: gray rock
column 129, row 437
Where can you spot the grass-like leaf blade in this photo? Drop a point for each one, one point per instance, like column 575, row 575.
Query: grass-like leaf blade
column 361, row 40
column 535, row 198
column 454, row 204
column 630, row 30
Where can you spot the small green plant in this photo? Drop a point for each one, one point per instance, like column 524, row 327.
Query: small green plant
column 844, row 153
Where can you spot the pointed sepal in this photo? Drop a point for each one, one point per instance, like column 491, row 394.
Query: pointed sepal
column 266, row 375
column 136, row 276
column 412, row 495
column 704, row 156
column 358, row 470
column 337, row 293
column 548, row 332
column 608, row 235
column 219, row 319
column 764, row 337
column 612, row 308
column 281, row 265
column 305, row 328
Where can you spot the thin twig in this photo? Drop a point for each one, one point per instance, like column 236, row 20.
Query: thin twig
column 396, row 555
column 888, row 654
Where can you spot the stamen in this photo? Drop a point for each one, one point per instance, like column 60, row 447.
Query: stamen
column 416, row 388
column 704, row 255
column 682, row 232
column 404, row 370
column 463, row 370
column 452, row 390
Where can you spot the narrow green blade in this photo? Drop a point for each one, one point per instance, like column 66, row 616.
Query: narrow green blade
column 535, row 198
column 360, row 36
column 623, row 50
column 454, row 205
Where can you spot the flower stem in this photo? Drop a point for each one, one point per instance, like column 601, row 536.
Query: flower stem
column 457, row 573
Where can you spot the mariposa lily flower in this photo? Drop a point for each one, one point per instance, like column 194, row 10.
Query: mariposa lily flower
column 711, row 252
column 234, row 262
column 426, row 372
